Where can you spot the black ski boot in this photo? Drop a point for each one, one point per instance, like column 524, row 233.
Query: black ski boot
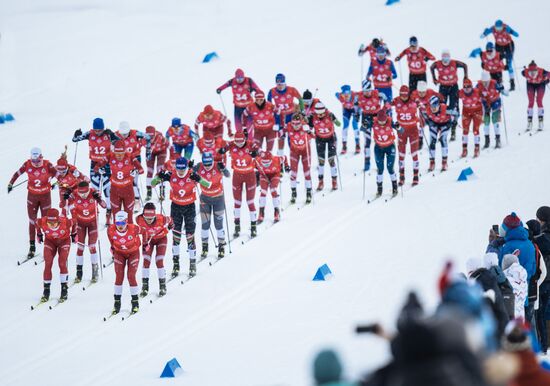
column 237, row 230
column 204, row 252
column 116, row 307
column 512, row 84
column 308, row 196
column 32, row 249
column 46, row 294
column 192, row 267
column 420, row 142
column 149, row 194
column 529, row 123
column 144, row 287
column 78, row 277
column 162, row 287
column 221, row 249
column 176, row 266
column 95, row 272
column 394, row 190
column 135, row 304
column 487, row 142
column 253, row 229
column 541, row 123
column 378, row 189
column 293, row 196
column 64, row 292
column 497, row 141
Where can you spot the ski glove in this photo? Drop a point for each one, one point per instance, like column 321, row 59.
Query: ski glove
column 40, row 237
column 222, row 150
column 287, row 169
column 221, row 166
column 253, row 153
column 77, row 133
column 66, row 195
column 73, row 238
column 96, row 195
column 101, row 170
column 10, row 188
column 218, row 91
column 195, row 177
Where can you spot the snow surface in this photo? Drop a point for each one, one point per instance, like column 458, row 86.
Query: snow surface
column 256, row 318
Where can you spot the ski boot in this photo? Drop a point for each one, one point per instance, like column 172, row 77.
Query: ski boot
column 497, row 141
column 276, row 215
column 487, row 142
column 46, row 294
column 321, row 185
column 237, row 230
column 221, row 249
column 541, row 123
column 144, row 287
column 78, row 277
column 192, row 267
column 401, row 177
column 308, row 196
column 431, row 168
column 394, row 190
column 512, row 84
column 176, row 266
column 378, row 189
column 64, row 292
column 293, row 196
column 344, row 148
column 116, row 307
column 529, row 124
column 261, row 215
column 253, row 229
column 95, row 272
column 476, row 150
column 204, row 252
column 366, row 166
column 162, row 287
column 464, row 150
column 444, row 164
column 415, row 178
column 334, row 183
column 149, row 195
column 108, row 216
column 357, row 148
column 32, row 249
column 135, row 304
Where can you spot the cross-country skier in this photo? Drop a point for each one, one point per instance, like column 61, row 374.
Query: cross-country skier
column 154, row 227
column 181, row 137
column 39, row 173
column 299, row 136
column 472, row 115
column 242, row 87
column 492, row 62
column 125, row 244
column 269, row 167
column 99, row 142
column 439, row 122
column 417, row 57
column 283, row 98
column 382, row 71
column 83, row 203
column 309, row 103
column 57, row 233
column 346, row 98
column 183, row 188
column 384, row 148
column 372, row 48
column 447, row 78
column 260, row 116
column 406, row 111
column 68, row 177
column 490, row 92
column 213, row 121
column 159, row 145
column 504, row 45
column 322, row 121
column 422, row 96
column 537, row 78
column 212, row 201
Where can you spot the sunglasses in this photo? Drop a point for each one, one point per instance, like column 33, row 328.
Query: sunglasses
column 120, row 223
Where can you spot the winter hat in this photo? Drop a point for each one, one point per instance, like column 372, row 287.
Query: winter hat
column 490, row 260
column 473, row 264
column 150, row 129
column 422, row 86
column 62, row 163
column 467, row 83
column 465, row 296
column 404, row 90
column 516, row 336
column 327, row 367
column 498, row 23
column 485, row 76
column 208, row 109
column 149, row 210
column 36, row 153
column 320, row 108
column 52, row 214
column 489, row 46
column 511, row 221
column 346, row 89
column 366, row 85
column 118, row 147
column 121, row 217
column 98, row 124
column 181, row 163
column 239, row 73
column 534, row 228
column 259, row 95
column 413, row 41
column 532, row 66
column 124, row 128
column 280, row 78
column 307, row 95
column 176, row 122
column 382, row 116
column 543, row 214
column 508, row 260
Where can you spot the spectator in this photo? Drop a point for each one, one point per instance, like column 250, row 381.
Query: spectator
column 490, row 261
column 327, row 369
column 517, row 276
column 542, row 240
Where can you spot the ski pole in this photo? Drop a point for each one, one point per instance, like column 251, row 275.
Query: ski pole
column 339, row 174
column 400, row 75
column 226, row 220
column 362, row 68
column 364, row 178
column 504, row 119
column 18, row 184
column 223, row 105
column 75, row 153
column 97, row 226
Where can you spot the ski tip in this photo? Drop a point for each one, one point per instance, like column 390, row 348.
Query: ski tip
column 18, row 263
column 386, row 200
column 368, row 201
column 104, row 318
column 83, row 288
column 242, row 242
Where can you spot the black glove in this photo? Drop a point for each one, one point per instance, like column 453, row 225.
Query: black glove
column 10, row 187
column 218, row 91
column 96, row 195
column 287, row 168
column 426, row 59
column 222, row 150
column 164, row 175
column 66, row 195
column 253, row 153
column 77, row 133
column 221, row 166
column 245, row 132
column 73, row 238
column 195, row 177
column 190, row 164
column 40, row 237
column 108, row 132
